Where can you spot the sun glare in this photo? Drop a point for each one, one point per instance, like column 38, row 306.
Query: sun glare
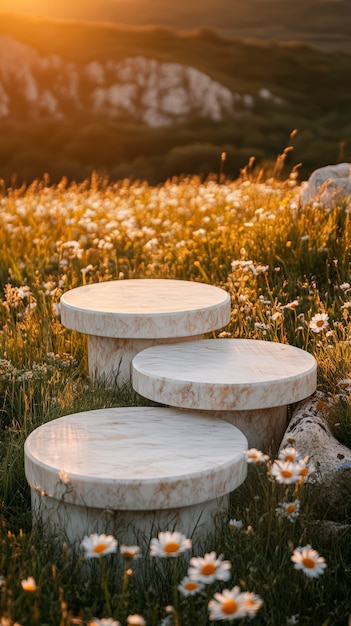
column 34, row 7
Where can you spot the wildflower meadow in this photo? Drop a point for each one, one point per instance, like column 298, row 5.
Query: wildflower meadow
column 282, row 555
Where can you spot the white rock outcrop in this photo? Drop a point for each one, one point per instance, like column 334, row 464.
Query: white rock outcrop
column 149, row 91
column 329, row 185
column 312, row 437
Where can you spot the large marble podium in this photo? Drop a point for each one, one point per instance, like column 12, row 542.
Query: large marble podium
column 122, row 317
column 133, row 471
column 247, row 382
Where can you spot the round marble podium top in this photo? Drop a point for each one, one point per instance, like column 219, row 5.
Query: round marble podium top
column 145, row 308
column 224, row 374
column 135, row 458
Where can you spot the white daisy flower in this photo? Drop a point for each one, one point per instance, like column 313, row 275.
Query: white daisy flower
column 135, row 620
column 291, row 305
column 87, row 269
column 209, row 568
column 169, row 544
column 188, row 587
column 290, row 510
column 129, row 552
column 29, row 584
column 251, row 603
column 63, row 477
column 319, row 322
column 309, row 561
column 286, row 473
column 227, row 605
column 294, row 619
column 96, row 546
column 255, row 456
column 235, row 523
column 288, row 454
column 304, row 469
column 261, row 269
column 276, row 316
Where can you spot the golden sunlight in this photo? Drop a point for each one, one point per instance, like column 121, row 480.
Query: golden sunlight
column 104, row 10
column 54, row 8
column 34, row 7
column 80, row 9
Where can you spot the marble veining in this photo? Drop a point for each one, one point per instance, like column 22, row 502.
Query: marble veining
column 110, row 358
column 225, row 374
column 145, row 308
column 135, row 458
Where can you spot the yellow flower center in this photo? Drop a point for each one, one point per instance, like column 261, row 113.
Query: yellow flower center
column 172, row 546
column 290, row 508
column 100, row 547
column 128, row 554
column 289, row 457
column 229, row 607
column 286, row 473
column 190, row 586
column 309, row 563
column 320, row 323
column 253, row 457
column 304, row 471
column 208, row 569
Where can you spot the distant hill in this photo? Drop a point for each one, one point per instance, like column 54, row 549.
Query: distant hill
column 324, row 23
column 152, row 102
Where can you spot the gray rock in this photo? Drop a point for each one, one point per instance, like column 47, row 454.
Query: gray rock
column 330, row 185
column 312, row 437
column 330, row 529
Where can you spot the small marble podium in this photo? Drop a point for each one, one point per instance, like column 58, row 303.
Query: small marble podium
column 133, row 471
column 244, row 381
column 122, row 317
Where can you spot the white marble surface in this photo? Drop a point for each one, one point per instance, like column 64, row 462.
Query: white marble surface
column 110, row 358
column 62, row 522
column 136, row 458
column 132, row 472
column 263, row 428
column 145, row 308
column 224, row 374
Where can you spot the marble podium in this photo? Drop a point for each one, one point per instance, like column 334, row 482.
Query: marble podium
column 133, row 471
column 244, row 381
column 122, row 317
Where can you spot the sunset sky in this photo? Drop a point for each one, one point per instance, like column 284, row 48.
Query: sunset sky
column 181, row 15
column 30, row 7
column 132, row 12
column 80, row 9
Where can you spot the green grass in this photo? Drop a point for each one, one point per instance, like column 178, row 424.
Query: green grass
column 281, row 264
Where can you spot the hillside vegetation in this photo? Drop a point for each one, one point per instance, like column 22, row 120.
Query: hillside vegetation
column 325, row 23
column 290, row 86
